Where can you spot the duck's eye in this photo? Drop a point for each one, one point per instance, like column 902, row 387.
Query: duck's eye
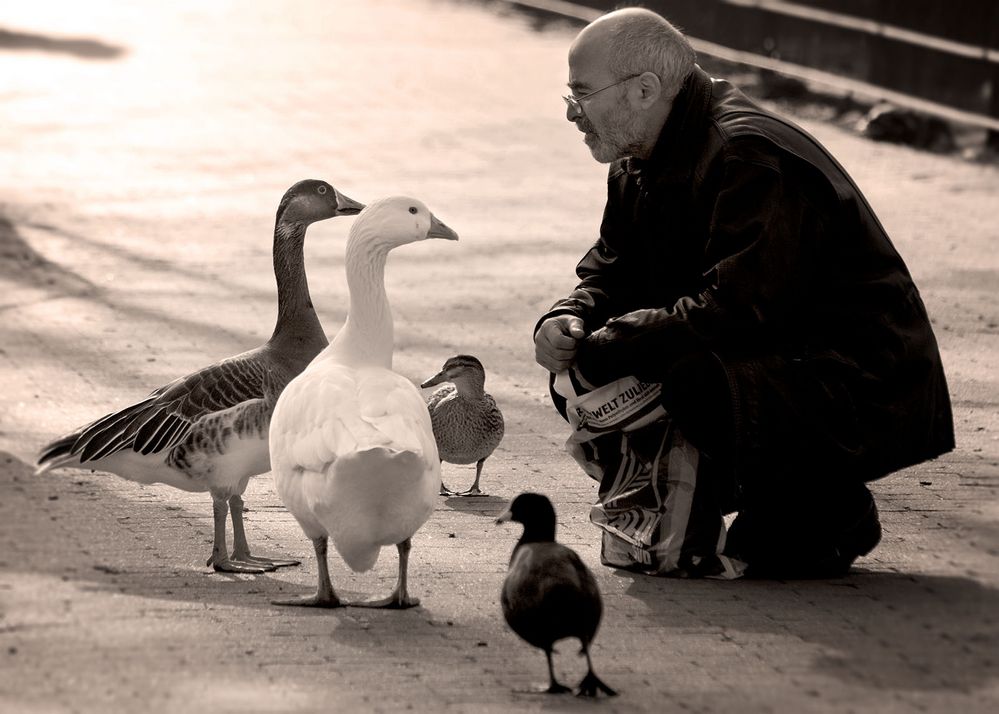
column 412, row 209
column 321, row 189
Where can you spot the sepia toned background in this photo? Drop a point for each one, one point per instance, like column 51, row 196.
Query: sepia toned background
column 143, row 150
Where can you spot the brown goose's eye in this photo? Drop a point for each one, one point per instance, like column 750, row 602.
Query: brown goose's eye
column 321, row 189
column 412, row 209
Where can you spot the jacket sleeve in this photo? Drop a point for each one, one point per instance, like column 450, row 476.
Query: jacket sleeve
column 761, row 231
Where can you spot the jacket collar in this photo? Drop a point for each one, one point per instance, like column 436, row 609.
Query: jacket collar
column 677, row 148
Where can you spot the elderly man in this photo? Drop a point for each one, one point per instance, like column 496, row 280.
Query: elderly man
column 740, row 267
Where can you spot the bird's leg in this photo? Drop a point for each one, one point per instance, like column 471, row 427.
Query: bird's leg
column 324, row 597
column 219, row 559
column 445, row 491
column 241, row 549
column 399, row 599
column 474, row 490
column 591, row 685
column 554, row 686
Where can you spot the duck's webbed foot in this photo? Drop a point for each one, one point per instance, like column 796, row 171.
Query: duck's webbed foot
column 591, row 685
column 473, row 491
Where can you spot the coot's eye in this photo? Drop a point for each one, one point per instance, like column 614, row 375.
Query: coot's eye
column 412, row 209
column 321, row 189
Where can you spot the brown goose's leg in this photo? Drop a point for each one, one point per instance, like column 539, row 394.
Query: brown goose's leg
column 219, row 559
column 240, row 547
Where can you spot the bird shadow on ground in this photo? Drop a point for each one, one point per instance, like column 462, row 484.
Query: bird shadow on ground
column 486, row 506
column 82, row 47
column 68, row 525
column 876, row 629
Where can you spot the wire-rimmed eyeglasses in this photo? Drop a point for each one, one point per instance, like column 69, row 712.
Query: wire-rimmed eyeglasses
column 575, row 103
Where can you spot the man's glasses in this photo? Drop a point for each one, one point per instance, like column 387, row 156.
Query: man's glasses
column 575, row 103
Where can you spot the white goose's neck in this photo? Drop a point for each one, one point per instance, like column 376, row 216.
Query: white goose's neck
column 366, row 338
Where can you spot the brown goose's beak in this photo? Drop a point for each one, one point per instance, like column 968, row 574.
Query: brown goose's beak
column 505, row 517
column 439, row 230
column 435, row 380
column 347, row 206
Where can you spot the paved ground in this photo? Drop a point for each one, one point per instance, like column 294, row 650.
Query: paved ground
column 142, row 154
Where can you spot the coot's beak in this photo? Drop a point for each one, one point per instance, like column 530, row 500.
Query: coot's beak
column 505, row 517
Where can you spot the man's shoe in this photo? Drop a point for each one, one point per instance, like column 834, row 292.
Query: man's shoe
column 779, row 550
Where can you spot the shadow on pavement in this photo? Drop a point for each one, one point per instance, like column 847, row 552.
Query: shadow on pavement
column 486, row 506
column 81, row 47
column 71, row 525
column 19, row 262
column 876, row 629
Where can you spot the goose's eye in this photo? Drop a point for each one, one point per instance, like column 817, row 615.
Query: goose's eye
column 321, row 189
column 412, row 209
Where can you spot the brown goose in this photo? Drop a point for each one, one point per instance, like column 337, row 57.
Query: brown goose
column 467, row 423
column 208, row 431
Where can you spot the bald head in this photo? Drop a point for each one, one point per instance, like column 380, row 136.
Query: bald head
column 634, row 40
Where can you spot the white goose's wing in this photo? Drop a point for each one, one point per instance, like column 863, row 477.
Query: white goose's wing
column 354, row 457
column 331, row 410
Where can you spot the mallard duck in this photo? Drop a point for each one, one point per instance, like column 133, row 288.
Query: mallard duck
column 208, row 431
column 352, row 445
column 548, row 593
column 467, row 423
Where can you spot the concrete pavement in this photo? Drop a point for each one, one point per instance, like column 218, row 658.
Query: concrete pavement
column 139, row 174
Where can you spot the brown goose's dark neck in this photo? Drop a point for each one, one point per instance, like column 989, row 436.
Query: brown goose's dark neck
column 297, row 322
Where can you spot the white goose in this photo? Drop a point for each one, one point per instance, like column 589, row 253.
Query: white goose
column 352, row 447
column 208, row 431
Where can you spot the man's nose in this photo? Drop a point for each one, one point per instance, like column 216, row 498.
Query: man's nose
column 572, row 113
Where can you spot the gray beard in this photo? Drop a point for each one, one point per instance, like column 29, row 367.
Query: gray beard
column 618, row 143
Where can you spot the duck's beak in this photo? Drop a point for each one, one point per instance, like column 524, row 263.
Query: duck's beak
column 435, row 380
column 439, row 230
column 505, row 517
column 347, row 206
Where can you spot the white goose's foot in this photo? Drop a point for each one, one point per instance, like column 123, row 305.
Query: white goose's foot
column 396, row 601
column 445, row 491
column 325, row 595
column 400, row 598
column 320, row 599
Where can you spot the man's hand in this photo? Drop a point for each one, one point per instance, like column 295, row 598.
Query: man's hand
column 556, row 342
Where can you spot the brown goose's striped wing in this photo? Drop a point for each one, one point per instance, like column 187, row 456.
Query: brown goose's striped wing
column 165, row 418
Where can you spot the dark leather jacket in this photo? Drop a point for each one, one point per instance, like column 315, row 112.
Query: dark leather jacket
column 743, row 237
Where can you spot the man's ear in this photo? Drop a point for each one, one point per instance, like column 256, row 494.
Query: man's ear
column 651, row 89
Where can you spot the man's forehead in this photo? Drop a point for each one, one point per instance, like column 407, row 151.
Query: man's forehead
column 588, row 65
